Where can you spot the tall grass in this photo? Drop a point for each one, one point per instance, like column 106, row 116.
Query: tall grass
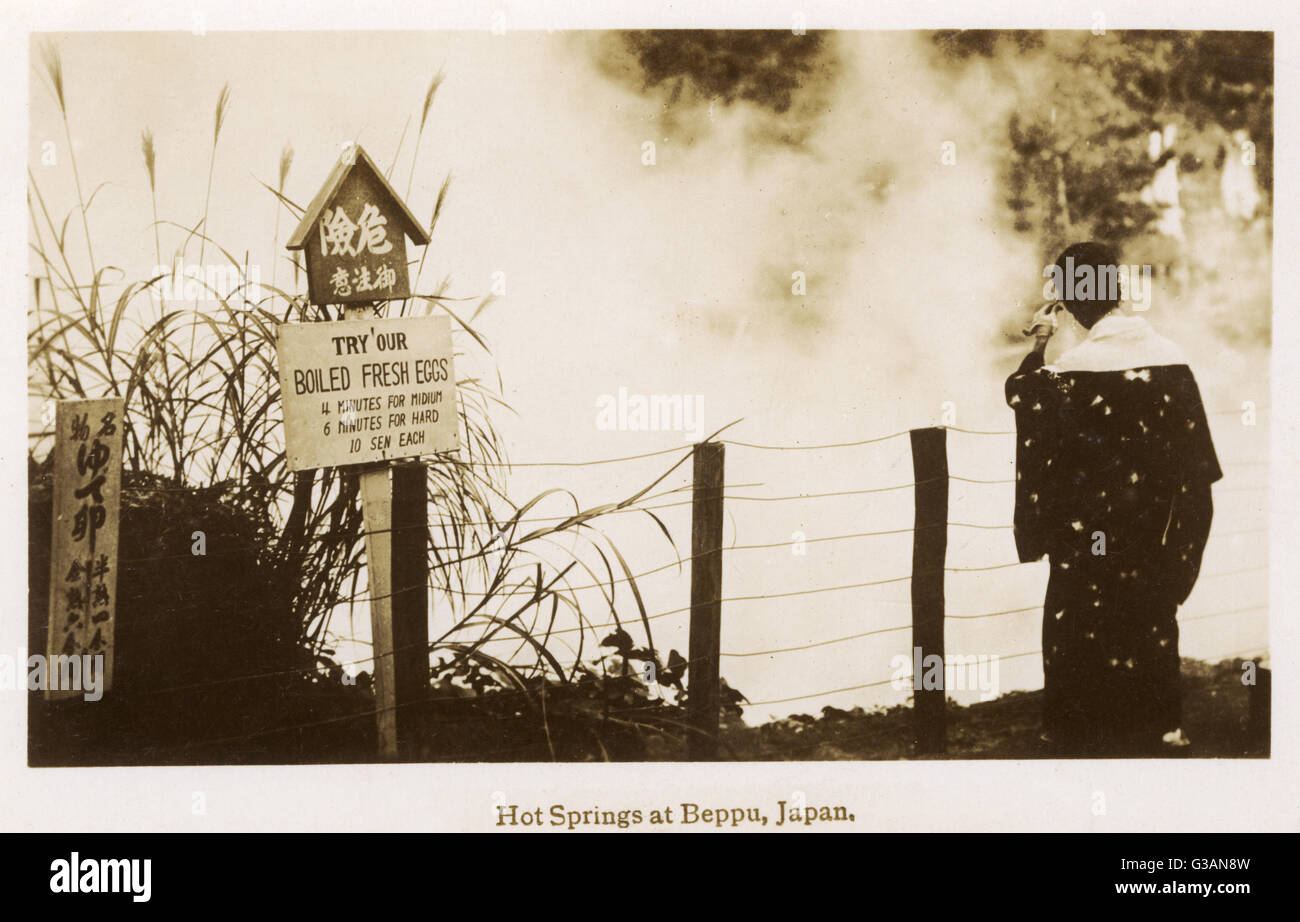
column 218, row 120
column 286, row 161
column 150, row 166
column 424, row 117
column 206, row 415
column 53, row 62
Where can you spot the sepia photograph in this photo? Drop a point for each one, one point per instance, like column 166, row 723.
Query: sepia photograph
column 512, row 418
column 648, row 395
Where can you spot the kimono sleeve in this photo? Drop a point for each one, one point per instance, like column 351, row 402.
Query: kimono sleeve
column 1030, row 394
column 1193, row 506
column 1195, row 448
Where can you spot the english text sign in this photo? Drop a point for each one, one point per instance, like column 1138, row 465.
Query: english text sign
column 359, row 391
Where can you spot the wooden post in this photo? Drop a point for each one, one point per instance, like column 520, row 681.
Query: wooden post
column 706, row 600
column 86, row 505
column 1259, row 723
column 929, row 551
column 397, row 534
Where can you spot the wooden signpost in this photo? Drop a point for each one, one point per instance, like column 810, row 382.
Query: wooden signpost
column 364, row 393
column 88, row 443
column 397, row 538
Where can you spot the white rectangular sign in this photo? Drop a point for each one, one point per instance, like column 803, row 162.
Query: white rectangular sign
column 359, row 391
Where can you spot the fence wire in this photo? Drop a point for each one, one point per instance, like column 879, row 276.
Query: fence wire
column 616, row 623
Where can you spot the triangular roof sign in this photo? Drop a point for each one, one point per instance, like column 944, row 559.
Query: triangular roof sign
column 341, row 171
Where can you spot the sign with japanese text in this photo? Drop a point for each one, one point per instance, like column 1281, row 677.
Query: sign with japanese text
column 86, row 509
column 356, row 255
column 353, row 237
column 359, row 391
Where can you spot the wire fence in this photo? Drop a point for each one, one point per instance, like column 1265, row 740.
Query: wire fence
column 734, row 495
column 904, row 682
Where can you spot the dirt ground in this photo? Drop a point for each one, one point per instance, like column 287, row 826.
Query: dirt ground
column 1216, row 705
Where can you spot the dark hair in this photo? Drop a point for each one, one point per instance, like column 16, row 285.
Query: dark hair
column 1102, row 294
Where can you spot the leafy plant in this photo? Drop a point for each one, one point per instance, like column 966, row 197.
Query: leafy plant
column 203, row 413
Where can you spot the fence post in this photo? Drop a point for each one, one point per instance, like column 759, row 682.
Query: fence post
column 706, row 600
column 1259, row 723
column 929, row 550
column 397, row 534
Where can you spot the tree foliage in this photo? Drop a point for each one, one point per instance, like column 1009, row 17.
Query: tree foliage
column 1077, row 155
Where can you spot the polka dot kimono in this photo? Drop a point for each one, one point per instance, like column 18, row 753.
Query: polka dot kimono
column 1113, row 474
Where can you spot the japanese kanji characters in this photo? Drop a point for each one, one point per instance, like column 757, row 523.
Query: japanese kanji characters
column 343, row 284
column 339, row 236
column 83, row 572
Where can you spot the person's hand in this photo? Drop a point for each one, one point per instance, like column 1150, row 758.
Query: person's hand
column 1044, row 323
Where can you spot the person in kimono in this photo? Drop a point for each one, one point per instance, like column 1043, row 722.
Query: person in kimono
column 1114, row 464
